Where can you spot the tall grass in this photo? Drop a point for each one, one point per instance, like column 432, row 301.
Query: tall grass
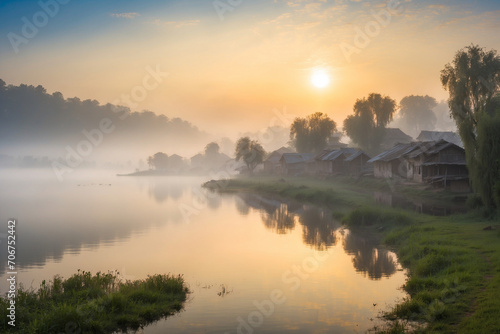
column 100, row 303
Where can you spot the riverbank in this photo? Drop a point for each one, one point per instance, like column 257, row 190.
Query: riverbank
column 453, row 261
column 100, row 303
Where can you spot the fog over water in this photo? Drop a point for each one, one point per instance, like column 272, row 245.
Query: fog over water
column 233, row 250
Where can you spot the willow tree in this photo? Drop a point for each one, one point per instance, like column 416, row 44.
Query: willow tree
column 366, row 127
column 250, row 151
column 472, row 80
column 311, row 134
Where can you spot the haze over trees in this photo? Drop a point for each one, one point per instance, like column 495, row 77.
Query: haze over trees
column 415, row 113
column 33, row 121
column 311, row 134
column 472, row 80
column 366, row 127
column 250, row 152
column 271, row 138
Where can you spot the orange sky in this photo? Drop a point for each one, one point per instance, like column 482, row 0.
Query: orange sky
column 226, row 76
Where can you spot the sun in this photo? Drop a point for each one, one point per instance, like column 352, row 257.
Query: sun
column 320, row 79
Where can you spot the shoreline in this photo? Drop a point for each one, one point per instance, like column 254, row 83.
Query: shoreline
column 453, row 282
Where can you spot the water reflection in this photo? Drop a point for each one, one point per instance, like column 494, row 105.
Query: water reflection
column 321, row 231
column 163, row 189
column 280, row 220
column 429, row 207
column 64, row 218
column 368, row 259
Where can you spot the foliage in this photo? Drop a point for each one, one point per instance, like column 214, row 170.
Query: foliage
column 416, row 113
column 472, row 80
column 212, row 149
column 311, row 134
column 485, row 174
column 158, row 161
column 31, row 115
column 370, row 216
column 250, row 151
column 100, row 303
column 371, row 115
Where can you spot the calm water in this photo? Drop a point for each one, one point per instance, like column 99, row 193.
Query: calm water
column 254, row 265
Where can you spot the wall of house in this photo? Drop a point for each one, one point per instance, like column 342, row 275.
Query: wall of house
column 324, row 167
column 293, row 169
column 431, row 171
column 451, row 154
column 414, row 169
column 399, row 168
column 382, row 169
column 338, row 166
column 357, row 166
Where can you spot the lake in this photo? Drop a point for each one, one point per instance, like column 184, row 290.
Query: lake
column 253, row 264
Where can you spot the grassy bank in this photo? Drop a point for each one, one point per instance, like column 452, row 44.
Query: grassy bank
column 100, row 303
column 453, row 262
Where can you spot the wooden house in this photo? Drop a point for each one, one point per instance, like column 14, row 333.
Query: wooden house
column 392, row 163
column 357, row 164
column 394, row 136
column 449, row 136
column 272, row 164
column 333, row 162
column 296, row 163
column 440, row 163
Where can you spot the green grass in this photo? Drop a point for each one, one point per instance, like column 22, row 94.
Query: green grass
column 100, row 303
column 453, row 264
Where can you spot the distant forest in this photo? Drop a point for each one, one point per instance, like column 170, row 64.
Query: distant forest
column 33, row 122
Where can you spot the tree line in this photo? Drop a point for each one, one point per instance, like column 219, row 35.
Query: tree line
column 29, row 116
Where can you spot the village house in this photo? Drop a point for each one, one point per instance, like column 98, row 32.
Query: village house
column 272, row 164
column 357, row 164
column 297, row 163
column 394, row 136
column 440, row 163
column 392, row 162
column 449, row 136
column 332, row 162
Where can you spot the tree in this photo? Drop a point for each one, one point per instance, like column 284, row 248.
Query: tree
column 415, row 112
column 212, row 149
column 366, row 127
column 381, row 108
column 472, row 80
column 311, row 134
column 159, row 161
column 250, row 151
column 150, row 162
column 485, row 173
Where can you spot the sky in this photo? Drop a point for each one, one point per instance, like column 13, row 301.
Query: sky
column 232, row 66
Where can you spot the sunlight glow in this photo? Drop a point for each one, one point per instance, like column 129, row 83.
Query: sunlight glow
column 320, row 79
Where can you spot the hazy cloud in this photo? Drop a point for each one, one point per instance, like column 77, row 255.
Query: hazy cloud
column 125, row 15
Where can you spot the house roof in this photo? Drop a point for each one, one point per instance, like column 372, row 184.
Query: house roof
column 449, row 136
column 293, row 158
column 355, row 155
column 275, row 156
column 395, row 135
column 431, row 147
column 335, row 154
column 394, row 153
